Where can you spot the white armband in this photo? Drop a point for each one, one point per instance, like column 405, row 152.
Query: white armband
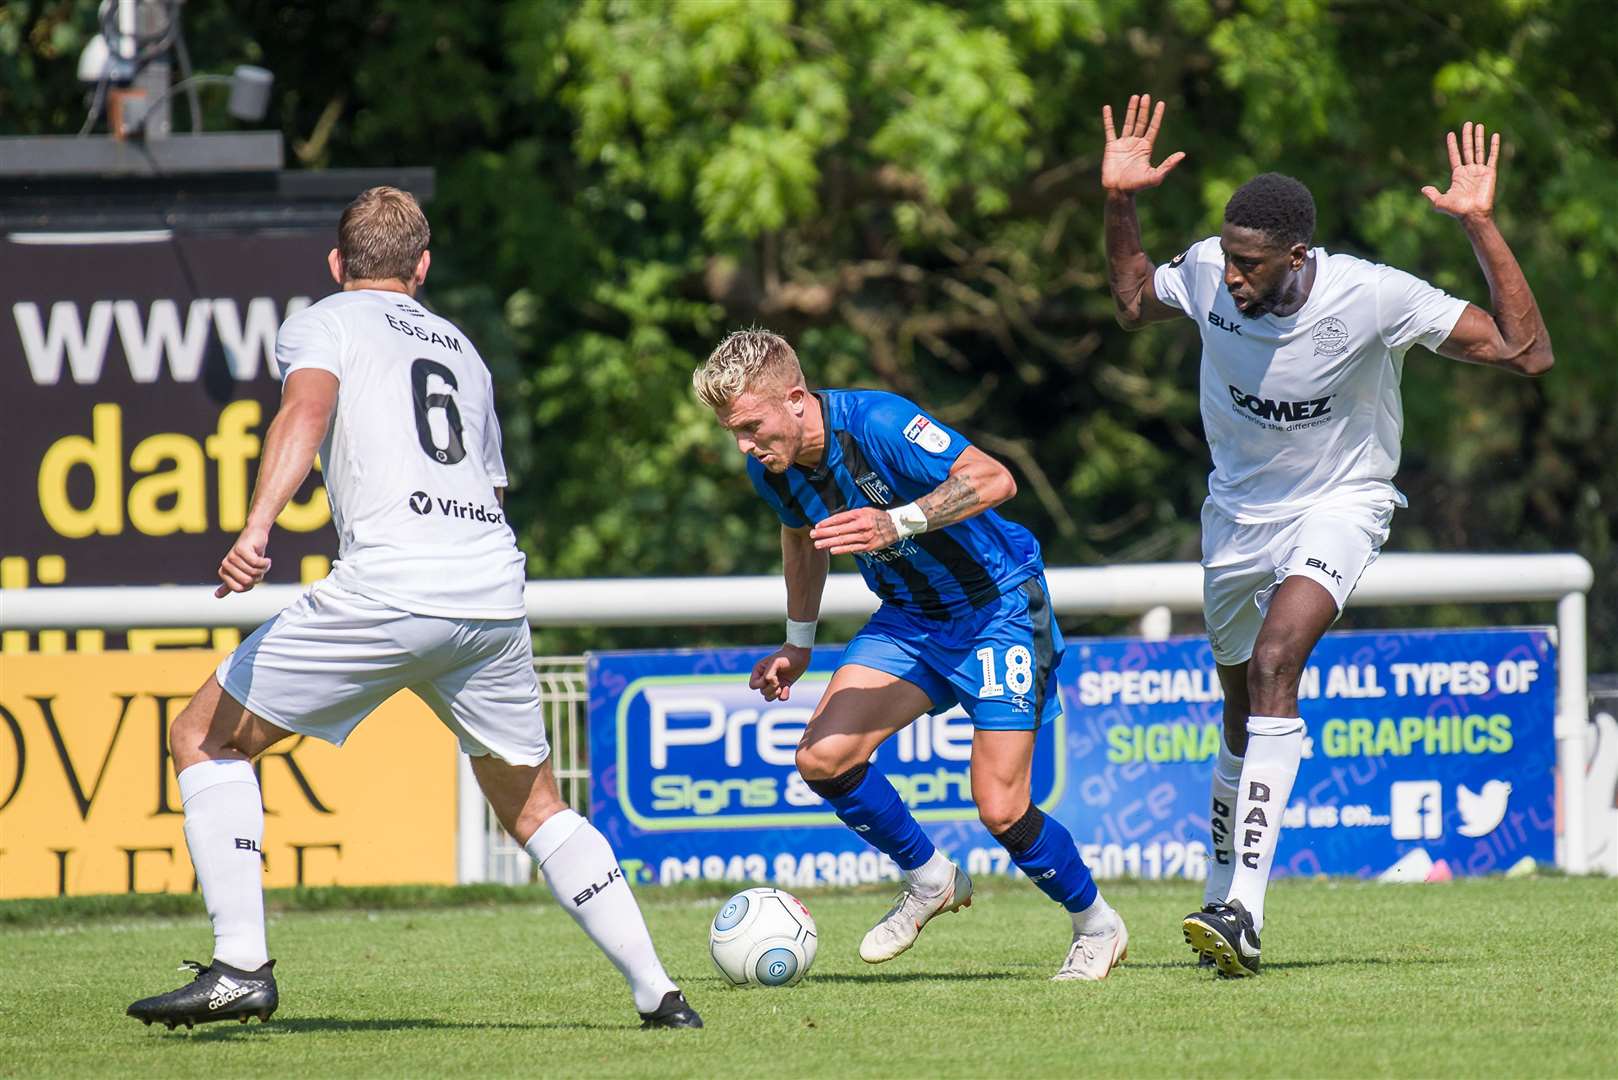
column 908, row 520
column 801, row 634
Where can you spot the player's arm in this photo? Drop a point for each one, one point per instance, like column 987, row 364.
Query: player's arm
column 805, row 566
column 976, row 482
column 290, row 445
column 1126, row 167
column 1512, row 334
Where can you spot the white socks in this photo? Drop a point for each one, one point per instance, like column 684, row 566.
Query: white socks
column 1274, row 748
column 1221, row 812
column 583, row 874
column 224, row 828
column 1094, row 919
column 933, row 876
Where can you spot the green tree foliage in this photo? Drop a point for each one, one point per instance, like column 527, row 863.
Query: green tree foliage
column 909, row 191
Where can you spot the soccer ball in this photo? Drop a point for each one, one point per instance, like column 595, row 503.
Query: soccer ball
column 763, row 937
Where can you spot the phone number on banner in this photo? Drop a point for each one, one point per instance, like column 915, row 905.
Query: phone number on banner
column 796, row 870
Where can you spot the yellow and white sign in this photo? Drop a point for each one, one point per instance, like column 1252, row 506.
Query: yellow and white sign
column 89, row 802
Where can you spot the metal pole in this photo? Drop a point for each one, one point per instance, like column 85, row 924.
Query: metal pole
column 471, row 838
column 1572, row 730
column 150, row 18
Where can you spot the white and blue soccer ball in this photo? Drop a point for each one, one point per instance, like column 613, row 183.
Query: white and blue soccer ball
column 763, row 937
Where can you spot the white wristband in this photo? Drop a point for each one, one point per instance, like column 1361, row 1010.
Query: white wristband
column 908, row 520
column 801, row 634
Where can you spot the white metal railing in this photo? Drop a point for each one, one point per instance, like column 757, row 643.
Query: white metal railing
column 484, row 850
column 1130, row 589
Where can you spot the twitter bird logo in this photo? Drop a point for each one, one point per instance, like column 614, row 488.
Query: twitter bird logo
column 1482, row 812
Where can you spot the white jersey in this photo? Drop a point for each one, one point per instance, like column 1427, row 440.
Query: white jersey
column 1304, row 408
column 412, row 457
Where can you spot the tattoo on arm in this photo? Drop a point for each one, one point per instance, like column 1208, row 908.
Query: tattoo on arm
column 956, row 498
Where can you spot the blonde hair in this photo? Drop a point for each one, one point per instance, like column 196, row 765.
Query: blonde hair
column 745, row 360
column 381, row 235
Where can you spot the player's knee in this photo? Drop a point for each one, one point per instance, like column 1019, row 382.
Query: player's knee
column 999, row 813
column 187, row 735
column 1236, row 732
column 838, row 784
column 817, row 763
column 1021, row 832
column 1275, row 665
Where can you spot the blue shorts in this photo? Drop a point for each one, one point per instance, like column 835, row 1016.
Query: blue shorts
column 998, row 662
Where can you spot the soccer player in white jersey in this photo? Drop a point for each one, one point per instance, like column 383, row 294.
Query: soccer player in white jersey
column 1302, row 351
column 426, row 594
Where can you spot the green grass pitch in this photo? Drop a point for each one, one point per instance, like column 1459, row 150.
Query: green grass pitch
column 1471, row 978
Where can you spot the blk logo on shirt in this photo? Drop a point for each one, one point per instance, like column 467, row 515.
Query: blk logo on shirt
column 1324, row 569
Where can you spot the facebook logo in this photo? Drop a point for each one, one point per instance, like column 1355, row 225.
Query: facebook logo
column 1416, row 809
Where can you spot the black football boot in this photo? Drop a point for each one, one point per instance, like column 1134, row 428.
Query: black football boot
column 218, row 992
column 1225, row 932
column 1204, row 960
column 672, row 1012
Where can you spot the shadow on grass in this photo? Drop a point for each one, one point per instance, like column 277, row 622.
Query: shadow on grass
column 917, row 976
column 321, row 1024
column 1361, row 961
column 1284, row 965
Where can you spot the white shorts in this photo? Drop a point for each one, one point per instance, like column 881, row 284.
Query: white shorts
column 1243, row 565
column 327, row 661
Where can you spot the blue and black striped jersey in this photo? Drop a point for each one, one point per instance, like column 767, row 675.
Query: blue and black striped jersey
column 884, row 451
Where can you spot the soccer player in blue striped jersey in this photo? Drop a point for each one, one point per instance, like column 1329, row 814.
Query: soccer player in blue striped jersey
column 965, row 618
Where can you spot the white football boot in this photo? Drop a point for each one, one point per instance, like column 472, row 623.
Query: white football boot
column 911, row 910
column 1093, row 956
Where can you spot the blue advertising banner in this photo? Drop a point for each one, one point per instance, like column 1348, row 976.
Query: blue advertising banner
column 1430, row 753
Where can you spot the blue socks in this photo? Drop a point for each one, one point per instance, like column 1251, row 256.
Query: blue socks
column 1040, row 846
column 1045, row 851
column 867, row 803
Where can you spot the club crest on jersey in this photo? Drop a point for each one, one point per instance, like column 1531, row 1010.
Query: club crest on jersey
column 927, row 435
column 1330, row 336
column 875, row 489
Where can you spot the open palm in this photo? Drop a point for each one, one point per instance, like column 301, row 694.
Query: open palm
column 1126, row 162
column 1472, row 174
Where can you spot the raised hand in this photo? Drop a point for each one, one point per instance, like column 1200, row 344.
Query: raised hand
column 1126, row 163
column 1472, row 176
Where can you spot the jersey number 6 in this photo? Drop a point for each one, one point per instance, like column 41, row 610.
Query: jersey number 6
column 438, row 419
